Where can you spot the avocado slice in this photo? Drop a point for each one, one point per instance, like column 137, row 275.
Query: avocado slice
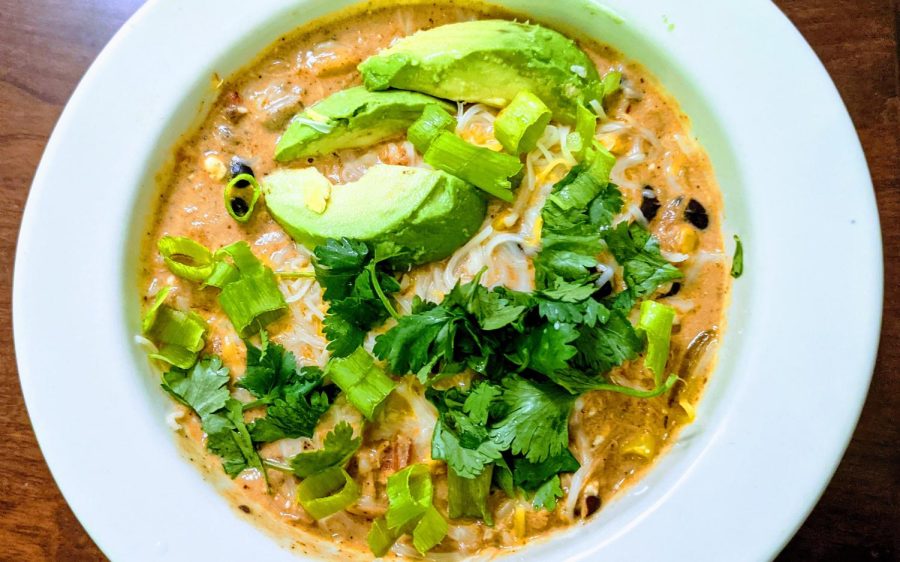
column 428, row 212
column 489, row 61
column 351, row 118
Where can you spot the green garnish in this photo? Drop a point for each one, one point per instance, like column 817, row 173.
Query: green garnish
column 178, row 335
column 293, row 394
column 327, row 492
column 581, row 138
column 365, row 383
column 737, row 263
column 356, row 286
column 339, row 446
column 581, row 205
column 468, row 497
column 204, row 389
column 487, row 170
column 241, row 194
column 410, row 511
column 520, row 124
column 425, row 129
column 656, row 323
column 645, row 270
column 186, row 258
column 548, row 494
column 253, row 299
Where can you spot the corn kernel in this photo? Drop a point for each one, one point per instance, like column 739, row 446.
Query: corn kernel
column 535, row 238
column 687, row 240
column 215, row 168
column 504, row 220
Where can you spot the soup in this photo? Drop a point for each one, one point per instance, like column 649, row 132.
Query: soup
column 429, row 280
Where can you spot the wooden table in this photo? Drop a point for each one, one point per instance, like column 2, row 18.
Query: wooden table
column 48, row 44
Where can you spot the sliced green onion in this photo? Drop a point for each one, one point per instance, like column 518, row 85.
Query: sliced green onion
column 434, row 121
column 410, row 493
column 222, row 274
column 581, row 138
column 328, row 492
column 737, row 263
column 380, row 538
column 186, row 258
column 365, row 383
column 241, row 195
column 611, row 83
column 656, row 323
column 468, row 497
column 520, row 124
column 178, row 335
column 430, row 530
column 482, row 167
column 253, row 300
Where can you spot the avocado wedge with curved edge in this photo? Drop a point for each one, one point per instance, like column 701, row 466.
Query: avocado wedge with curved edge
column 351, row 118
column 489, row 61
column 427, row 212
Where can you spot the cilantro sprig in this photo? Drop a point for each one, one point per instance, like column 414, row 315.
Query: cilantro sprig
column 357, row 286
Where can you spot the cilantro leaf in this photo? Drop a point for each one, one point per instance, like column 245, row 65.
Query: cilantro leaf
column 547, row 348
column 339, row 446
column 468, row 462
column 530, row 476
column 356, row 289
column 203, row 388
column 580, row 205
column 419, row 339
column 537, row 422
column 480, row 401
column 292, row 416
column 548, row 494
column 227, row 436
column 607, row 345
column 637, row 251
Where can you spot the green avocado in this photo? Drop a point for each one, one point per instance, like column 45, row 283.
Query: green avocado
column 489, row 61
column 351, row 118
column 428, row 212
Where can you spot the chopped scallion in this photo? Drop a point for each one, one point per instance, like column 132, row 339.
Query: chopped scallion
column 430, row 530
column 434, row 121
column 253, row 299
column 186, row 258
column 482, row 167
column 410, row 493
column 364, row 382
column 241, row 195
column 328, row 492
column 520, row 124
column 581, row 138
column 468, row 497
column 178, row 335
column 656, row 323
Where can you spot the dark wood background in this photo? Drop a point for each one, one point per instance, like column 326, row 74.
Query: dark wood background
column 45, row 47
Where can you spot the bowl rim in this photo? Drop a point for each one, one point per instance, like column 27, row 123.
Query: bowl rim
column 735, row 515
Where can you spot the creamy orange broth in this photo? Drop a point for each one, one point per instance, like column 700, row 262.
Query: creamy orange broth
column 615, row 436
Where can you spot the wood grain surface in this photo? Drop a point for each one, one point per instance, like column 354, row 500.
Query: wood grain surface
column 46, row 46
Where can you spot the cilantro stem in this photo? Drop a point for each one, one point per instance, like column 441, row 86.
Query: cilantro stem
column 661, row 389
column 276, row 465
column 380, row 292
column 296, row 274
column 254, row 404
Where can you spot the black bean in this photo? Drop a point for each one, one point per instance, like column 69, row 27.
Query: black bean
column 673, row 291
column 605, row 290
column 239, row 167
column 592, row 504
column 649, row 204
column 239, row 206
column 696, row 214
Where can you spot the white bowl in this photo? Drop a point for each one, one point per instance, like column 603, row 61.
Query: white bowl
column 780, row 408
